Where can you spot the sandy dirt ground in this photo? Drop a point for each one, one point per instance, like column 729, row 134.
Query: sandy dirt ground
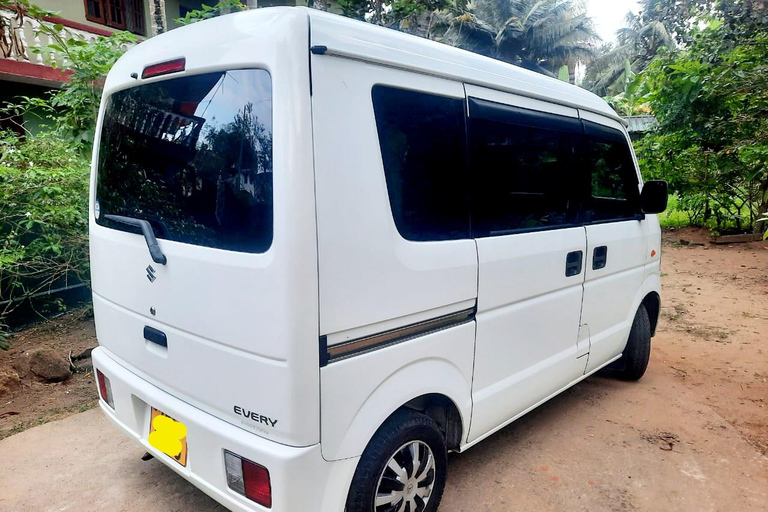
column 34, row 402
column 692, row 435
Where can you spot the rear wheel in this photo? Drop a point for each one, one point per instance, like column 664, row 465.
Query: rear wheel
column 402, row 469
column 634, row 361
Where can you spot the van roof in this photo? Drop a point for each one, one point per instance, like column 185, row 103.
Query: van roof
column 355, row 39
column 345, row 37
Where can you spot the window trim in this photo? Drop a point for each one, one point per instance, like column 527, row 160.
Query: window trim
column 481, row 109
column 96, row 19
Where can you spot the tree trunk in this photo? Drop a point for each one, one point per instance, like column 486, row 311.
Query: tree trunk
column 762, row 211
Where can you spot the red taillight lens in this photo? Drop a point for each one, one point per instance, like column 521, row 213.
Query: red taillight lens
column 248, row 479
column 105, row 389
column 164, row 68
column 257, row 485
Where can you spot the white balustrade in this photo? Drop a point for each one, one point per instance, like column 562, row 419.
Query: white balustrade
column 27, row 36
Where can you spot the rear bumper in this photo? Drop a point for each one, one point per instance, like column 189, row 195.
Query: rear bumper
column 301, row 479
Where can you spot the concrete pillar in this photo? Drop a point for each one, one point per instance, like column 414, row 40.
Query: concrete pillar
column 157, row 16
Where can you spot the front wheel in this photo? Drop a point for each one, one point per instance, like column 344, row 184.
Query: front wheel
column 634, row 361
column 402, row 469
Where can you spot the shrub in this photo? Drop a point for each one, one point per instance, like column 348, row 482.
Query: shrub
column 43, row 216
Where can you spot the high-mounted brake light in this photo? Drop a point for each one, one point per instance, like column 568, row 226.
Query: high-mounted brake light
column 248, row 479
column 105, row 389
column 164, row 68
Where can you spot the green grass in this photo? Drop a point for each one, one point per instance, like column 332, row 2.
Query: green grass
column 675, row 217
column 672, row 217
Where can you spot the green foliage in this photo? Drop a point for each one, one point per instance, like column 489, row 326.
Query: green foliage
column 712, row 106
column 43, row 216
column 44, row 177
column 208, row 12
column 76, row 105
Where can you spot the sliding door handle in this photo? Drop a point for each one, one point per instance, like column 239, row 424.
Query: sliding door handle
column 573, row 263
column 599, row 257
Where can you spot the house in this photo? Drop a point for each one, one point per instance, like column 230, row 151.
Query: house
column 26, row 73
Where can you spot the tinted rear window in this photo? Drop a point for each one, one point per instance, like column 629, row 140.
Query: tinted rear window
column 193, row 156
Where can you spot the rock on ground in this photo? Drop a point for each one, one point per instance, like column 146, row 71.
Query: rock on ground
column 49, row 365
column 9, row 381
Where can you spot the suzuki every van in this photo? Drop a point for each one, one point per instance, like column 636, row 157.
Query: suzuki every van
column 324, row 254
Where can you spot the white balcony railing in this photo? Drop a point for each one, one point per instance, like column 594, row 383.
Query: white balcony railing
column 19, row 39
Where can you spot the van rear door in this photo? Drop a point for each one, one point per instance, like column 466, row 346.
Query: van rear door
column 221, row 176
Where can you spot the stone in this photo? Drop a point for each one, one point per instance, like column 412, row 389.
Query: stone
column 9, row 381
column 48, row 365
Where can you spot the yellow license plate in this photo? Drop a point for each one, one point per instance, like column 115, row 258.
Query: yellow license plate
column 169, row 436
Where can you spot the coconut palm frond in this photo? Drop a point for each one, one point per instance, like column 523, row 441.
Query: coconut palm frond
column 658, row 31
column 549, row 33
column 542, row 35
column 570, row 53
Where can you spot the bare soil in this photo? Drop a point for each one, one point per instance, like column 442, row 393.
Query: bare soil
column 692, row 435
column 36, row 402
column 714, row 327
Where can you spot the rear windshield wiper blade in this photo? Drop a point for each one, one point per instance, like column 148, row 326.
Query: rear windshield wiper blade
column 149, row 235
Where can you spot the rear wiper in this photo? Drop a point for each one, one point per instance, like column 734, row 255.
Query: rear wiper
column 149, row 235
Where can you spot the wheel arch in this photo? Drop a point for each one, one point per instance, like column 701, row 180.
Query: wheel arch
column 433, row 386
column 444, row 412
column 652, row 303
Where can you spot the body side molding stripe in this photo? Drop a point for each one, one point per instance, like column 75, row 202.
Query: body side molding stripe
column 393, row 337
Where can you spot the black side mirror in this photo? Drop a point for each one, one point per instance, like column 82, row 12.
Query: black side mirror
column 653, row 198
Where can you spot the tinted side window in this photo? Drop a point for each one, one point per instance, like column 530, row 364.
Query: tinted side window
column 523, row 170
column 613, row 180
column 422, row 140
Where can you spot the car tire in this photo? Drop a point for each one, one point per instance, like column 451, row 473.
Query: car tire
column 634, row 361
column 386, row 468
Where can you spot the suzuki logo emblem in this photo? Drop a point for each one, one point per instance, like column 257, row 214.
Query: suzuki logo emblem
column 151, row 274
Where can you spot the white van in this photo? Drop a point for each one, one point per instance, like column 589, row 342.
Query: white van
column 325, row 253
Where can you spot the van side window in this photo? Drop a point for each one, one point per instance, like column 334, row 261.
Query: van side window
column 422, row 140
column 614, row 188
column 522, row 165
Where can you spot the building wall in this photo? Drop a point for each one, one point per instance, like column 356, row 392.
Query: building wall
column 74, row 10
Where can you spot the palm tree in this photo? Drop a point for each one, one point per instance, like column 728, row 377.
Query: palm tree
column 540, row 35
column 638, row 43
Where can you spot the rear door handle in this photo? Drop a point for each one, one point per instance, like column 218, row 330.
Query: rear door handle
column 599, row 257
column 156, row 336
column 573, row 263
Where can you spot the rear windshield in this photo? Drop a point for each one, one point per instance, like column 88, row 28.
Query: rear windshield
column 193, row 156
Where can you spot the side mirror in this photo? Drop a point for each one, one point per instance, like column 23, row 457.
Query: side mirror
column 653, row 198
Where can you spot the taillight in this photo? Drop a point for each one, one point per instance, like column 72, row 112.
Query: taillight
column 105, row 389
column 164, row 68
column 248, row 479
